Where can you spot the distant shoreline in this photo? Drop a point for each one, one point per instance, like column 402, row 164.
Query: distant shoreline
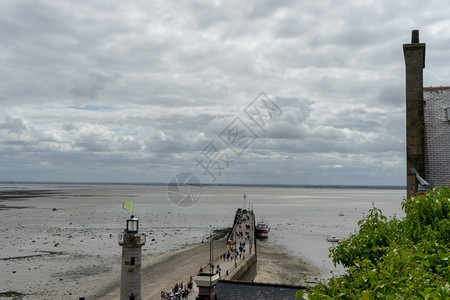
column 321, row 186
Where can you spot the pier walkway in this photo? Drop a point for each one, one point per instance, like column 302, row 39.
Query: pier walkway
column 236, row 260
column 239, row 249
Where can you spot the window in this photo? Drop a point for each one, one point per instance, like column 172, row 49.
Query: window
column 132, row 261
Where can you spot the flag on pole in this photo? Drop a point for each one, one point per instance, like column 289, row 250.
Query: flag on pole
column 128, row 205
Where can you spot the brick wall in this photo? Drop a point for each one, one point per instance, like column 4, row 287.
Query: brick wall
column 437, row 135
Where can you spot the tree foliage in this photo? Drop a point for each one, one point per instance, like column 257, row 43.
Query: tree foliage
column 395, row 259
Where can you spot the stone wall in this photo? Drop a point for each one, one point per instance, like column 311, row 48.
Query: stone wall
column 130, row 283
column 437, row 135
column 246, row 270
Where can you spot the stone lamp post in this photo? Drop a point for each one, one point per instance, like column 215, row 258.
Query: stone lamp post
column 131, row 242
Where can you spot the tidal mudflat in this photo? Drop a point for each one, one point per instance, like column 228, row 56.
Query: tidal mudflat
column 60, row 241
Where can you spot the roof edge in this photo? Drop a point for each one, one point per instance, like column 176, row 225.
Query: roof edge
column 430, row 88
column 263, row 284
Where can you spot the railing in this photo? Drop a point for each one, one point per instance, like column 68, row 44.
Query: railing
column 130, row 238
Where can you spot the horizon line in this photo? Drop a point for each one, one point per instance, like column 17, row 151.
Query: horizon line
column 379, row 186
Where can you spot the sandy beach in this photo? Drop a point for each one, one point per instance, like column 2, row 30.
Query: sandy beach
column 60, row 242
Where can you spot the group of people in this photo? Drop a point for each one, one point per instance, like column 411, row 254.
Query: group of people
column 242, row 247
column 235, row 251
column 240, row 234
column 179, row 291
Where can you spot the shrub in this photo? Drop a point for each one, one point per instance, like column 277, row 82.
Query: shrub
column 395, row 259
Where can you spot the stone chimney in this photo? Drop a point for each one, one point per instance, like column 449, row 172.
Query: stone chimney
column 206, row 284
column 415, row 137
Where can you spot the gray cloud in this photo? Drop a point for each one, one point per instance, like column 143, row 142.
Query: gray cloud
column 14, row 125
column 100, row 91
column 94, row 81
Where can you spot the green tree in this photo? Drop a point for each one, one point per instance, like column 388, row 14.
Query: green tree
column 395, row 259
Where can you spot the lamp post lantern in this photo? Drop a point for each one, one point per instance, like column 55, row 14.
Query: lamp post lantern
column 132, row 225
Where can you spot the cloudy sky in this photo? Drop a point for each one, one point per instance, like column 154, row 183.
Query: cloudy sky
column 140, row 91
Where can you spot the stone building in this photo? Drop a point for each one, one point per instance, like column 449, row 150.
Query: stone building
column 427, row 124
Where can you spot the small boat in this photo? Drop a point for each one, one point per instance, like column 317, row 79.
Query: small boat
column 333, row 239
column 341, row 213
column 262, row 230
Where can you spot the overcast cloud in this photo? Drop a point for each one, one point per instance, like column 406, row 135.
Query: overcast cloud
column 109, row 91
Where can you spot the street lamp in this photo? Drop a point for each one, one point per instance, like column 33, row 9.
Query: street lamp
column 235, row 250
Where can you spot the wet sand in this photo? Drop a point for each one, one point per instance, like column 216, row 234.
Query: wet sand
column 277, row 266
column 159, row 272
